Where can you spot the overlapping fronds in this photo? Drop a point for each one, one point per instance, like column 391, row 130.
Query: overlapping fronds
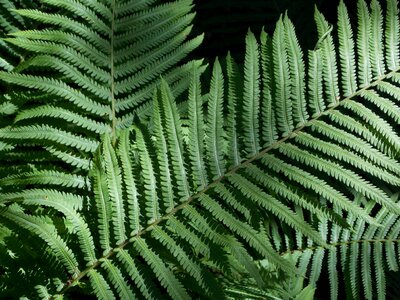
column 10, row 56
column 357, row 258
column 270, row 159
column 11, row 21
column 114, row 245
column 94, row 65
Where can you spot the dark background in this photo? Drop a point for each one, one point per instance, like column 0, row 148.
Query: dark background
column 225, row 23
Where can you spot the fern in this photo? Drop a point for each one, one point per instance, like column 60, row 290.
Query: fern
column 10, row 56
column 275, row 166
column 94, row 65
column 10, row 21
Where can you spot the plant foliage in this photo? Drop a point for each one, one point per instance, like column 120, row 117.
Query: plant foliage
column 90, row 71
column 125, row 191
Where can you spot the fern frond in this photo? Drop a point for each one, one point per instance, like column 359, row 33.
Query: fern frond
column 317, row 104
column 196, row 131
column 214, row 129
column 100, row 70
column 297, row 74
column 364, row 254
column 392, row 32
column 174, row 137
column 11, row 22
column 282, row 80
column 269, row 127
column 376, row 29
column 327, row 46
column 251, row 95
column 301, row 174
column 45, row 178
column 364, row 66
column 346, row 48
column 46, row 230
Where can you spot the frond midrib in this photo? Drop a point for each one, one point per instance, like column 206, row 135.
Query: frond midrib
column 231, row 171
column 112, row 69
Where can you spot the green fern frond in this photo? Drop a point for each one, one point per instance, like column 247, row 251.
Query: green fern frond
column 100, row 66
column 10, row 22
column 363, row 254
column 10, row 57
column 292, row 161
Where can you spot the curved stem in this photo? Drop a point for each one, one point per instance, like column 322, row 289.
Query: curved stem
column 233, row 170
